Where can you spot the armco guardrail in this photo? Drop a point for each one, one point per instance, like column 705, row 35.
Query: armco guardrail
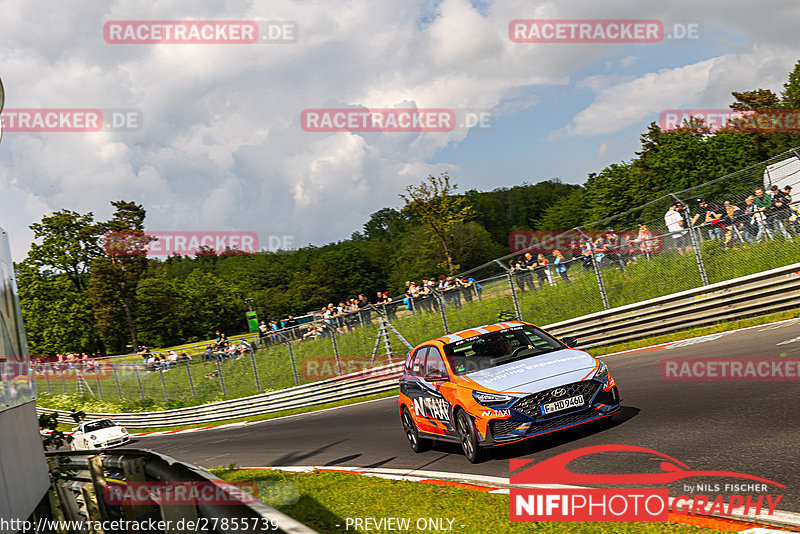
column 766, row 292
column 757, row 294
column 359, row 384
column 140, row 466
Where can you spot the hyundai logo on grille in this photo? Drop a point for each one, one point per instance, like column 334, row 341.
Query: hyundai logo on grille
column 558, row 392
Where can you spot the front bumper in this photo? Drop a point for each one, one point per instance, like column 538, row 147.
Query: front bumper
column 110, row 443
column 526, row 420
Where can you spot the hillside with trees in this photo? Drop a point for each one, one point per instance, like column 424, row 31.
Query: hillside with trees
column 76, row 297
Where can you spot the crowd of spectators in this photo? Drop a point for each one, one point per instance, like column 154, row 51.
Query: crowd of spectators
column 223, row 349
column 448, row 290
column 68, row 361
column 764, row 215
column 161, row 361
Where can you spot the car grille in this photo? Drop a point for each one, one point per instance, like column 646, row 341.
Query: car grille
column 568, row 419
column 500, row 427
column 608, row 397
column 530, row 405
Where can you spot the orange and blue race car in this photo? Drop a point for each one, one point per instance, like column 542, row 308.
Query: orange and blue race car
column 498, row 384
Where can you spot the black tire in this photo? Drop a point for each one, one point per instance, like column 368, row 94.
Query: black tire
column 469, row 441
column 417, row 443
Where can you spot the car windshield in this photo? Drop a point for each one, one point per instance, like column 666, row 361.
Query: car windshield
column 497, row 348
column 98, row 425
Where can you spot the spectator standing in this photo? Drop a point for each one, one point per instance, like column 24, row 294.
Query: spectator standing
column 709, row 217
column 517, row 271
column 644, row 239
column 560, row 265
column 291, row 324
column 675, row 224
column 763, row 210
column 782, row 211
column 543, row 271
column 529, row 267
column 730, row 215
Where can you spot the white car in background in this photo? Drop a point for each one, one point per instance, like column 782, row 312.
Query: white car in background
column 98, row 434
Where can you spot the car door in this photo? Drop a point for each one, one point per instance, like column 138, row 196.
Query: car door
column 436, row 381
column 411, row 384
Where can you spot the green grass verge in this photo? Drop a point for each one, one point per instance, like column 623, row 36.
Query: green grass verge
column 324, row 501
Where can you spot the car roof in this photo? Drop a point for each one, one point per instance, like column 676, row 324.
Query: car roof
column 476, row 331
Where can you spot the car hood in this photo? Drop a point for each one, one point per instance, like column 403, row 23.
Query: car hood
column 105, row 434
column 537, row 373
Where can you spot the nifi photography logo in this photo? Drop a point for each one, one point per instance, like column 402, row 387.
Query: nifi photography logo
column 731, row 493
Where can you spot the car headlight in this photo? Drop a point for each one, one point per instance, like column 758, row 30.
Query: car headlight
column 92, row 437
column 489, row 399
column 124, row 431
column 602, row 371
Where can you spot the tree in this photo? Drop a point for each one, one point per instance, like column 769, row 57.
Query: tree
column 790, row 97
column 387, row 223
column 434, row 203
column 754, row 100
column 115, row 279
column 69, row 244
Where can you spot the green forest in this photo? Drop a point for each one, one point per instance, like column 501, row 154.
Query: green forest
column 75, row 297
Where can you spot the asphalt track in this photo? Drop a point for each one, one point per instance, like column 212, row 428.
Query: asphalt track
column 747, row 427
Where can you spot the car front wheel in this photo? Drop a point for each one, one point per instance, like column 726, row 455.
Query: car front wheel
column 417, row 443
column 469, row 441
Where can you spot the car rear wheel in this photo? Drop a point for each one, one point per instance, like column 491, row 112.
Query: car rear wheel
column 417, row 443
column 469, row 441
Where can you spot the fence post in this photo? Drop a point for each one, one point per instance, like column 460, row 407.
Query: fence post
column 47, row 377
column 139, row 381
column 221, row 380
column 698, row 256
column 335, row 353
column 294, row 366
column 255, row 369
column 116, row 380
column 191, row 382
column 517, row 311
column 163, row 383
column 97, row 379
column 440, row 302
column 596, row 269
column 63, row 382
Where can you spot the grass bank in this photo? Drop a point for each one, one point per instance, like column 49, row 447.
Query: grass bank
column 325, row 501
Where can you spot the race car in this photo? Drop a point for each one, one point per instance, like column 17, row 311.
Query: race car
column 98, row 434
column 498, row 384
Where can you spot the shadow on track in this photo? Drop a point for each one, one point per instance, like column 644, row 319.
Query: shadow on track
column 540, row 443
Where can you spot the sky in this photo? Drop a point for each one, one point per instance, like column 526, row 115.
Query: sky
column 214, row 137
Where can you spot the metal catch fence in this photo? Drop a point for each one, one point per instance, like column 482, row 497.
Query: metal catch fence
column 724, row 229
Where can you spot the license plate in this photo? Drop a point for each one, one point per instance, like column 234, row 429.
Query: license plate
column 563, row 404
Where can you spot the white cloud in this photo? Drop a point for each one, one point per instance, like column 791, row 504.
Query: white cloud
column 221, row 147
column 708, row 83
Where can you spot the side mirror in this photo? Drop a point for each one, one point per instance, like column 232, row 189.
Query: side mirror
column 434, row 377
column 570, row 341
